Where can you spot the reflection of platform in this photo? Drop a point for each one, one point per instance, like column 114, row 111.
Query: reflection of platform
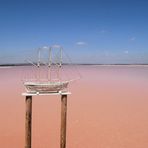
column 44, row 94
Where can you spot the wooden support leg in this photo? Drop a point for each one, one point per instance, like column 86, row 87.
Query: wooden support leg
column 28, row 121
column 63, row 121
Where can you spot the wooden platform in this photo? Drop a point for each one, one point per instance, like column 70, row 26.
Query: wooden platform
column 44, row 94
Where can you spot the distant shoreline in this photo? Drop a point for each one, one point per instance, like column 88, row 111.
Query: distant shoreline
column 25, row 64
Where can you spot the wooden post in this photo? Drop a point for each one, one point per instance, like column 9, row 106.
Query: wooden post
column 63, row 121
column 28, row 121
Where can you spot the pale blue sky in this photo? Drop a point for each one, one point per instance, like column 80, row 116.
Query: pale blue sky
column 101, row 31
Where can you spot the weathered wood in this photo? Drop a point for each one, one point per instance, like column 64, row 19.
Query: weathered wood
column 63, row 121
column 28, row 121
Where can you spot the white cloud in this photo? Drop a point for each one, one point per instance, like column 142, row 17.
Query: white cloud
column 56, row 46
column 81, row 43
column 45, row 47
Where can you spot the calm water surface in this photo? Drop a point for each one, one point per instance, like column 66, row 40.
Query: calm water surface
column 108, row 108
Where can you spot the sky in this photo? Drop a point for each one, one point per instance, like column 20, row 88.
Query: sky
column 90, row 31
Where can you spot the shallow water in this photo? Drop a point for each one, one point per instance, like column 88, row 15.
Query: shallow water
column 107, row 109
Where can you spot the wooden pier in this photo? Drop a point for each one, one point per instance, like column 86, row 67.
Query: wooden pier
column 28, row 117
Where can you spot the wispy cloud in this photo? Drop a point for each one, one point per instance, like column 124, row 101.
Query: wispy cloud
column 81, row 43
column 132, row 38
column 103, row 31
column 106, row 53
column 126, row 51
column 45, row 47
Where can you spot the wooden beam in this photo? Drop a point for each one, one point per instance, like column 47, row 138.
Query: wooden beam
column 63, row 121
column 28, row 121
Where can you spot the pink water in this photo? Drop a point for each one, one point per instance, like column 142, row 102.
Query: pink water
column 108, row 108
